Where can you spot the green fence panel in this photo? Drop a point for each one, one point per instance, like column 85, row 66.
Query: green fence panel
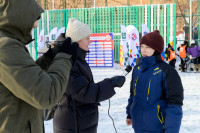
column 51, row 20
column 116, row 41
column 45, row 22
column 162, row 21
column 120, row 18
column 140, row 19
column 174, row 26
column 40, row 24
column 133, row 16
column 155, row 17
column 82, row 15
column 90, row 21
column 149, row 17
column 168, row 23
column 100, row 17
column 129, row 15
column 136, row 17
column 142, row 22
column 115, row 20
column 35, row 44
column 127, row 18
column 97, row 18
column 109, row 19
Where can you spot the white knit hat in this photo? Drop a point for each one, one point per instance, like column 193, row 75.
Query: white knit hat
column 77, row 30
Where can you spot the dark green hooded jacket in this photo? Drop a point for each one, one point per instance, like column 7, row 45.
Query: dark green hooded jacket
column 25, row 89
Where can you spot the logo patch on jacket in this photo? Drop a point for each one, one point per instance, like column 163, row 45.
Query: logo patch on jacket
column 157, row 71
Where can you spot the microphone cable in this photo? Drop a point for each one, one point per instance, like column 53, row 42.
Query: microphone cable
column 111, row 117
column 127, row 70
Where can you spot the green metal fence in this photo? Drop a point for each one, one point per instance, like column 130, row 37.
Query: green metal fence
column 109, row 19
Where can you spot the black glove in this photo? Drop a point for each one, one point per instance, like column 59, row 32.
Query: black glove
column 118, row 81
column 67, row 47
column 52, row 52
column 53, row 48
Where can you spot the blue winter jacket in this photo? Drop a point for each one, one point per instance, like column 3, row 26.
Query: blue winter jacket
column 156, row 97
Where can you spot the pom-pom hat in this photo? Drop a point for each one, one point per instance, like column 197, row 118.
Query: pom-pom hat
column 77, row 30
column 153, row 40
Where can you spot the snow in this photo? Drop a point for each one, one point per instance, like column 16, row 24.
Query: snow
column 191, row 107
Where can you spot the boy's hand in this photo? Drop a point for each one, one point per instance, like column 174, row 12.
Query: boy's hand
column 128, row 122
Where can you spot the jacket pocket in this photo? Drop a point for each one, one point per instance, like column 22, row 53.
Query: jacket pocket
column 87, row 109
column 160, row 116
column 152, row 119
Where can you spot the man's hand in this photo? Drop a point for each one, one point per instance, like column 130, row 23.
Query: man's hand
column 69, row 48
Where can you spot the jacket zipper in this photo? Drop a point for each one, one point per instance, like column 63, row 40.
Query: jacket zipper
column 148, row 91
column 135, row 86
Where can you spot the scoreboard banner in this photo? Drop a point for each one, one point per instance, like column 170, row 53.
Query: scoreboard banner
column 101, row 50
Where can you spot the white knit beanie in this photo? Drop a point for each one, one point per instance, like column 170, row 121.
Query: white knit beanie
column 77, row 30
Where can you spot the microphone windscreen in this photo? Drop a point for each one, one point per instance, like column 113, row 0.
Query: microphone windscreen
column 128, row 68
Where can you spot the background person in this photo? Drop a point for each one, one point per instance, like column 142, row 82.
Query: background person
column 183, row 55
column 171, row 54
column 194, row 51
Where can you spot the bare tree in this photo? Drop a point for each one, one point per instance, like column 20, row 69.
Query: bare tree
column 74, row 3
column 183, row 12
column 184, row 8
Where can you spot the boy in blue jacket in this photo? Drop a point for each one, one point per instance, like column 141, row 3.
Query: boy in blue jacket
column 156, row 93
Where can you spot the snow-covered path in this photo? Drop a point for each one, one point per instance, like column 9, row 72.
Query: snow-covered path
column 191, row 107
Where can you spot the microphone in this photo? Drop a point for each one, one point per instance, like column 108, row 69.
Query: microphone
column 127, row 70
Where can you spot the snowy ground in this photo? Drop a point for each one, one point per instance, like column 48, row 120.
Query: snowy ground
column 191, row 107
